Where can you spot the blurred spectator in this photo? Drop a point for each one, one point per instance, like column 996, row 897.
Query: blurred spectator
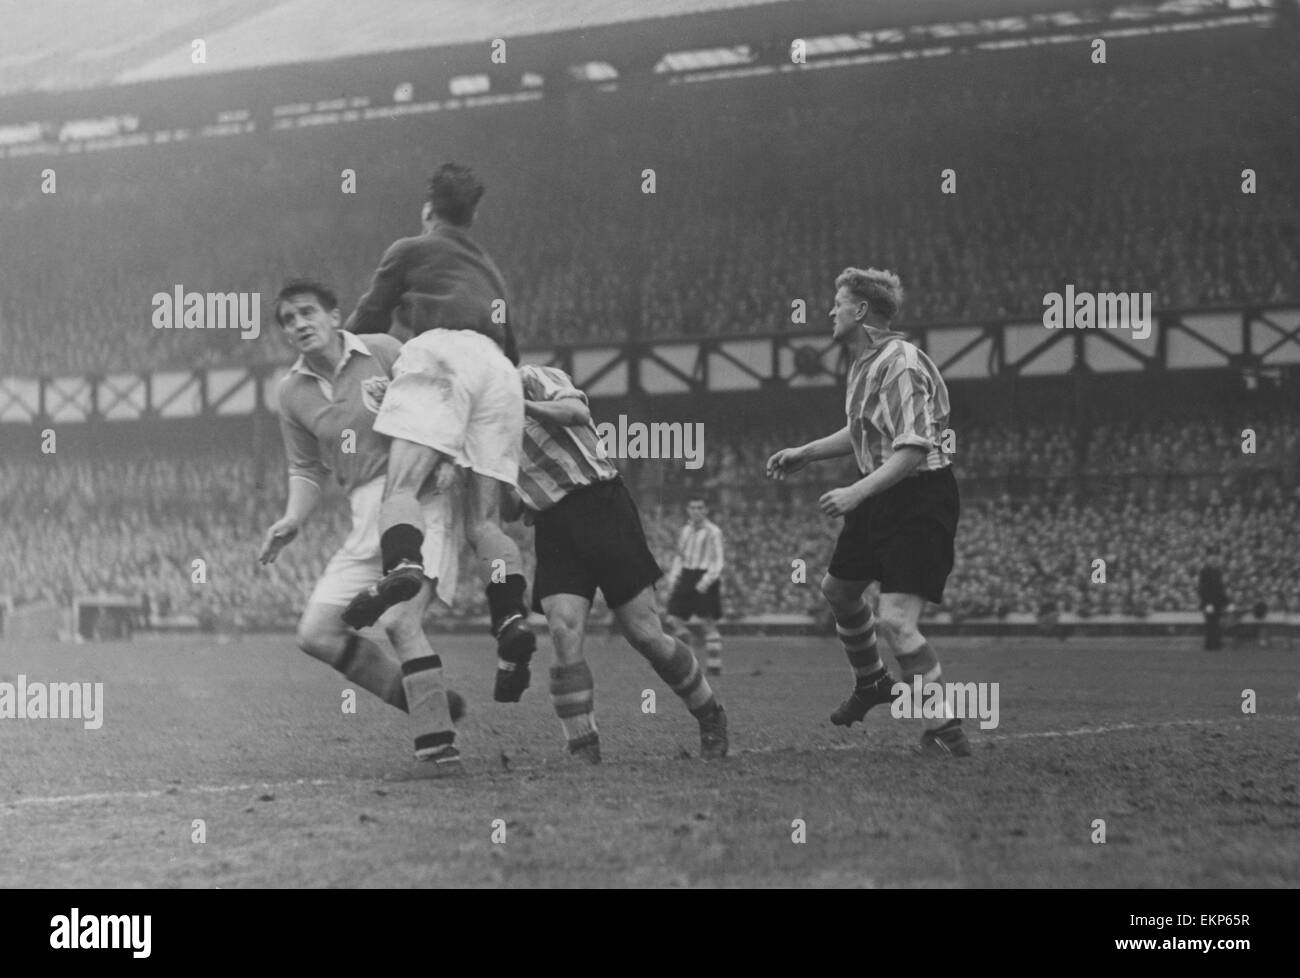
column 1117, row 179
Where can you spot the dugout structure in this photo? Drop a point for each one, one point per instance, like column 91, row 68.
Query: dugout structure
column 99, row 617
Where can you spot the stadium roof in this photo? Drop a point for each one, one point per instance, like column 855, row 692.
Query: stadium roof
column 62, row 45
column 49, row 45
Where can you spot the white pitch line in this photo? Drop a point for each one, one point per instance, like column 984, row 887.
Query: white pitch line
column 198, row 789
column 1121, row 727
column 1040, row 734
column 223, row 789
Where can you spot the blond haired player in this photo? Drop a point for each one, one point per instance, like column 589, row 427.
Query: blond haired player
column 900, row 518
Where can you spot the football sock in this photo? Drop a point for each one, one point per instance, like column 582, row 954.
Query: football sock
column 924, row 663
column 697, row 641
column 573, row 695
column 427, row 704
column 401, row 536
column 373, row 669
column 713, row 647
column 857, row 633
column 505, row 599
column 682, row 672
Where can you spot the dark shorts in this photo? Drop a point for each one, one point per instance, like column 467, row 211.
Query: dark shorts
column 686, row 602
column 592, row 538
column 902, row 538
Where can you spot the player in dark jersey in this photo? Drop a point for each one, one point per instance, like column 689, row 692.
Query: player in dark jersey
column 455, row 400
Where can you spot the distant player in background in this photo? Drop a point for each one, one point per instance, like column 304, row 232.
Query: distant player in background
column 454, row 401
column 1213, row 597
column 589, row 536
column 900, row 519
column 695, row 585
column 328, row 403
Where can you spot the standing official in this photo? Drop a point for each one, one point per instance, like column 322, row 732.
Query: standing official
column 1214, row 599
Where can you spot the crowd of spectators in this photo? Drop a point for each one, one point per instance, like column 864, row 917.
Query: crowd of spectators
column 136, row 526
column 1126, row 178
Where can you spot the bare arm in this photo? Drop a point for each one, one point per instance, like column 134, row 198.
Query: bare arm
column 303, row 497
column 832, row 446
column 306, row 473
column 789, row 460
column 898, row 466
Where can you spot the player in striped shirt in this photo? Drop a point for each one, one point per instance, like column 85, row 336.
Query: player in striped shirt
column 328, row 402
column 589, row 536
column 694, row 585
column 900, row 518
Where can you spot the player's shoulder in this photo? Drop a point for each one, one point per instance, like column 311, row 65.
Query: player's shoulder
column 713, row 527
column 289, row 381
column 406, row 247
column 381, row 346
column 901, row 355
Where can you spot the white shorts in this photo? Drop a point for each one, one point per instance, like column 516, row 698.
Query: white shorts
column 358, row 563
column 455, row 391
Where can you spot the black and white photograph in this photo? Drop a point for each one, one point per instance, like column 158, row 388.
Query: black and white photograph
column 685, row 444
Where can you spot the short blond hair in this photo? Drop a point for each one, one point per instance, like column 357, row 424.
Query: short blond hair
column 881, row 290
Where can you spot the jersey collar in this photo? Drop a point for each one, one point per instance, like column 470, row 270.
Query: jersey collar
column 351, row 344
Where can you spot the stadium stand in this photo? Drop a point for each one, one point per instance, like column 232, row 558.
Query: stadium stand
column 134, row 526
column 852, row 162
column 853, row 158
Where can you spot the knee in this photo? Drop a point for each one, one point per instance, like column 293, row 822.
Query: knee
column 644, row 632
column 837, row 594
column 685, row 630
column 408, row 466
column 566, row 632
column 320, row 644
column 896, row 627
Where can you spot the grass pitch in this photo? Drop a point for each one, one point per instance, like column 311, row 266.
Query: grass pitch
column 249, row 737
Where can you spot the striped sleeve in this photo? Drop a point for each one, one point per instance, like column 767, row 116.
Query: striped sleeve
column 550, row 384
column 906, row 404
column 557, row 458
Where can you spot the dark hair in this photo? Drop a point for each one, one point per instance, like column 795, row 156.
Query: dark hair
column 326, row 296
column 697, row 498
column 454, row 192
